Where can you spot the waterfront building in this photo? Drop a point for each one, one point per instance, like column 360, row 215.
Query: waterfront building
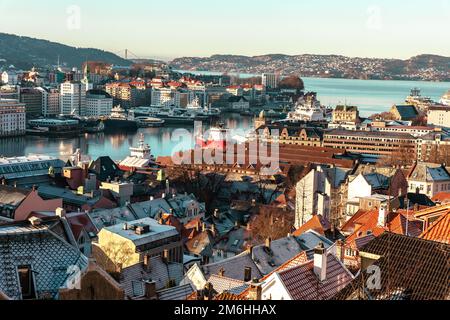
column 168, row 96
column 127, row 95
column 290, row 134
column 98, row 103
column 12, row 118
column 33, row 100
column 270, row 80
column 73, row 98
column 439, row 116
column 373, row 143
column 238, row 103
column 50, row 104
column 404, row 112
column 346, row 114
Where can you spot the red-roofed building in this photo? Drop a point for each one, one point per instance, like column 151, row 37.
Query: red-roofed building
column 439, row 231
column 317, row 279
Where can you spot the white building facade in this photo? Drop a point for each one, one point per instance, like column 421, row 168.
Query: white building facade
column 12, row 118
column 73, row 98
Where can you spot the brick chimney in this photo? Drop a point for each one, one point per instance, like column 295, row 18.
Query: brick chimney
column 340, row 250
column 146, row 263
column 150, row 290
column 166, row 256
column 320, row 262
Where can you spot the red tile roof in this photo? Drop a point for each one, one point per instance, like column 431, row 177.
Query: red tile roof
column 317, row 223
column 439, row 231
column 367, row 224
column 303, row 284
column 442, row 198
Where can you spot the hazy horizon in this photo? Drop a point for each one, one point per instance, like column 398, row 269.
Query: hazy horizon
column 153, row 29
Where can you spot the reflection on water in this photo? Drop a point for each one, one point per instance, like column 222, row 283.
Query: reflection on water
column 370, row 96
column 114, row 145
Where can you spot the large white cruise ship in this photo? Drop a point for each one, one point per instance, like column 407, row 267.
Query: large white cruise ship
column 446, row 99
column 308, row 108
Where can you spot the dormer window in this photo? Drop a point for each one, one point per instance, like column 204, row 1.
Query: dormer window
column 26, row 282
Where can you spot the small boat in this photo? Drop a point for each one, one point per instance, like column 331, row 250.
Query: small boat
column 149, row 122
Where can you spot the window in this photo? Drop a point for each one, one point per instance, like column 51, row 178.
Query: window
column 26, row 282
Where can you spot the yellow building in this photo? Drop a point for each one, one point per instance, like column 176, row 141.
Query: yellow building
column 127, row 244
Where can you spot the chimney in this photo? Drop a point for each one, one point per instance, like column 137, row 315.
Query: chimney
column 255, row 291
column 222, row 272
column 382, row 216
column 340, row 250
column 320, row 262
column 125, row 226
column 60, row 212
column 213, row 230
column 35, row 221
column 150, row 290
column 268, row 243
column 146, row 263
column 3, row 181
column 166, row 256
column 247, row 274
column 216, row 214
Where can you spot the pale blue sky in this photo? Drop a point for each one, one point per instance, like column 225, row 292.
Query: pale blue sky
column 171, row 28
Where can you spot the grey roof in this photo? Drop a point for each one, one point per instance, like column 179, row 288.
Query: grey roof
column 225, row 284
column 68, row 196
column 132, row 279
column 157, row 231
column 377, row 181
column 428, row 172
column 407, row 112
column 32, row 166
column 234, row 267
column 111, row 217
column 12, row 196
column 179, row 293
column 310, row 239
column 52, row 259
column 178, row 204
column 336, row 176
column 281, row 250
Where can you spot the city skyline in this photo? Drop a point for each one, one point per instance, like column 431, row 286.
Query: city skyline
column 379, row 28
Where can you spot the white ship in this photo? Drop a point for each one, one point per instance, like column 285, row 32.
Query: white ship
column 445, row 100
column 140, row 157
column 308, row 108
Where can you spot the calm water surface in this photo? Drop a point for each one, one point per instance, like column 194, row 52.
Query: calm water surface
column 371, row 96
